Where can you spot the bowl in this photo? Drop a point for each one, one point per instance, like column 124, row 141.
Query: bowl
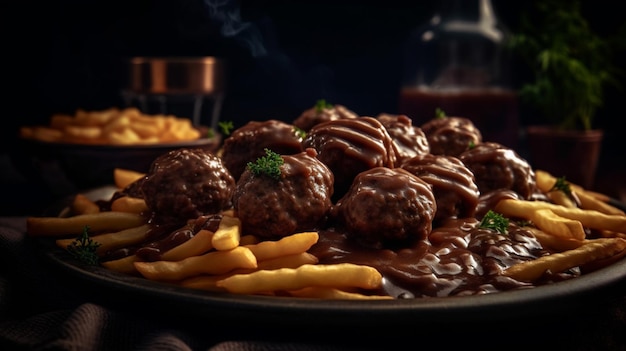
column 65, row 168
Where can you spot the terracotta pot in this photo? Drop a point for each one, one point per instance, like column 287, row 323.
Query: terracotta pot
column 569, row 153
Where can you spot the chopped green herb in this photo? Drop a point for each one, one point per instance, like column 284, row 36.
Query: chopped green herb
column 226, row 127
column 210, row 133
column 439, row 113
column 301, row 132
column 562, row 185
column 495, row 221
column 472, row 144
column 268, row 164
column 84, row 248
column 321, row 104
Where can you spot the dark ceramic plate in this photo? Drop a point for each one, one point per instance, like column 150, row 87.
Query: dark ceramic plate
column 230, row 309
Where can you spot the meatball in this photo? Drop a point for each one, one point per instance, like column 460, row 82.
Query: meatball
column 247, row 143
column 409, row 140
column 386, row 207
column 496, row 167
column 299, row 200
column 451, row 135
column 452, row 182
column 350, row 146
column 322, row 112
column 187, row 183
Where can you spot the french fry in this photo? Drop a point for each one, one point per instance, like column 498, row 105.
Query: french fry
column 113, row 126
column 592, row 250
column 591, row 202
column 288, row 261
column 554, row 242
column 292, row 244
column 124, row 177
column 327, row 293
column 545, row 182
column 203, row 282
column 113, row 240
column 588, row 199
column 214, row 262
column 227, row 235
column 556, row 225
column 123, row 265
column 129, row 204
column 107, row 221
column 81, row 204
column 198, row 244
column 588, row 218
column 342, row 275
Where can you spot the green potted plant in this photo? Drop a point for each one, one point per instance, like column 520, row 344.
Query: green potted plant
column 570, row 66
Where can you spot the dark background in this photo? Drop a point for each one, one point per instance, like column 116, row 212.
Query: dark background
column 64, row 55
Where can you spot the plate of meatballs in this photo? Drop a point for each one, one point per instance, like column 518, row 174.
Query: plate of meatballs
column 380, row 191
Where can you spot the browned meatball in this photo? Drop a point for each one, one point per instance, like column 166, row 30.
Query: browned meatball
column 187, row 183
column 247, row 143
column 451, row 135
column 386, row 207
column 409, row 140
column 322, row 112
column 299, row 200
column 350, row 146
column 496, row 167
column 452, row 183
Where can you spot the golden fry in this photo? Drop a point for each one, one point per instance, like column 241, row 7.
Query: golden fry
column 592, row 250
column 114, row 240
column 292, row 244
column 327, row 293
column 588, row 199
column 553, row 242
column 129, row 204
column 343, row 275
column 588, row 218
column 203, row 282
column 107, row 221
column 198, row 244
column 113, row 126
column 214, row 262
column 556, row 225
column 227, row 235
column 591, row 202
column 288, row 261
column 122, row 265
column 124, row 177
column 83, row 205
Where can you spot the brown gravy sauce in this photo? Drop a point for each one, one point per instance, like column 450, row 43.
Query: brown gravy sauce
column 458, row 258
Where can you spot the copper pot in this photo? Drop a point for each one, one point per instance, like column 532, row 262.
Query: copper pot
column 177, row 75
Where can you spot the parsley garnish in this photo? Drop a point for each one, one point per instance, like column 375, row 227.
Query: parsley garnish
column 268, row 164
column 226, row 127
column 84, row 248
column 439, row 113
column 495, row 221
column 562, row 185
column 301, row 132
column 321, row 104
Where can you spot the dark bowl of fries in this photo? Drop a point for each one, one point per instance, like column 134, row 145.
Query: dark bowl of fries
column 81, row 151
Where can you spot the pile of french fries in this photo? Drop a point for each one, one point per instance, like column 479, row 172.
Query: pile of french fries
column 113, row 126
column 228, row 260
